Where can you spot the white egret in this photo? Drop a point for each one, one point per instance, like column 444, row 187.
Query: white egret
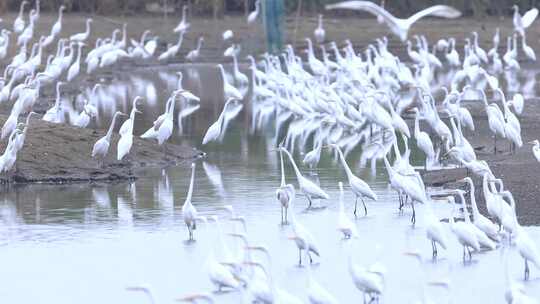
column 463, row 232
column 18, row 24
column 189, row 213
column 345, row 225
column 101, row 147
column 423, row 141
column 319, row 32
column 399, row 27
column 216, row 129
column 313, row 157
column 407, row 185
column 479, row 220
column 165, row 129
column 359, row 187
column 126, row 132
column 56, row 28
column 285, row 193
column 228, row 34
column 172, row 50
column 55, row 113
column 82, row 37
column 521, row 23
column 255, row 13
column 529, row 52
column 76, row 66
column 481, row 236
column 304, row 240
column 369, row 282
column 536, row 149
column 183, row 25
column 19, row 140
column 194, row 54
column 229, row 91
column 309, row 188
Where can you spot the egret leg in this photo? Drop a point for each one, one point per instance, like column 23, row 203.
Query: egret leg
column 495, row 144
column 400, row 202
column 299, row 257
column 286, row 217
column 464, row 254
column 281, row 215
column 526, row 270
column 469, row 251
column 434, row 245
column 310, row 258
column 413, row 218
column 365, row 207
column 309, row 200
column 355, row 202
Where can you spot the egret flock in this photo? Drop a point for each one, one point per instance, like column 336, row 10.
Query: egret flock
column 335, row 102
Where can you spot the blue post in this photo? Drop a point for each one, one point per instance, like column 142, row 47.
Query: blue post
column 273, row 23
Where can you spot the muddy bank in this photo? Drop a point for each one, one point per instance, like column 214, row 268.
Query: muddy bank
column 520, row 172
column 360, row 30
column 59, row 153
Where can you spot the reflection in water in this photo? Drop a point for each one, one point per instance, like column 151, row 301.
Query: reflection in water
column 133, row 232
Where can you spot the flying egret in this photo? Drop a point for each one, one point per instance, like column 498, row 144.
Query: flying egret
column 399, row 27
column 521, row 23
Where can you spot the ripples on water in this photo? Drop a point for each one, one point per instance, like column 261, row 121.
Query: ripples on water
column 86, row 243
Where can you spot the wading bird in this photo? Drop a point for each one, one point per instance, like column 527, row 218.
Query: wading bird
column 400, row 27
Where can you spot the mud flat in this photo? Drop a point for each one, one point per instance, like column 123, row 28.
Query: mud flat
column 520, row 171
column 59, row 153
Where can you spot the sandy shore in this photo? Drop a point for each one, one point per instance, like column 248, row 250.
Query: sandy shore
column 520, row 172
column 59, row 153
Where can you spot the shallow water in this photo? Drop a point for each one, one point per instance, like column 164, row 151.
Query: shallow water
column 87, row 243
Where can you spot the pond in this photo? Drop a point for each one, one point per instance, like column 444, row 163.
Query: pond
column 86, row 243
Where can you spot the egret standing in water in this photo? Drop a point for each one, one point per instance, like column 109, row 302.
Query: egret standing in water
column 359, row 187
column 309, row 188
column 285, row 193
column 188, row 210
column 345, row 225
